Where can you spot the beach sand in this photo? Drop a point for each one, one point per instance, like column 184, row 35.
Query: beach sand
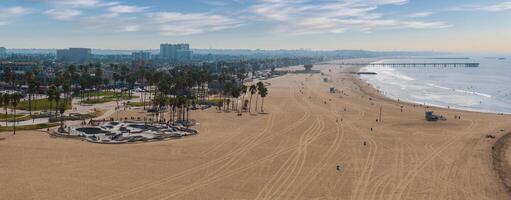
column 291, row 152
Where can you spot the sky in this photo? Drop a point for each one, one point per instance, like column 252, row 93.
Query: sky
column 382, row 25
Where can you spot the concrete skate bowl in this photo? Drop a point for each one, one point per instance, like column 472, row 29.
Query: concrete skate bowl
column 128, row 132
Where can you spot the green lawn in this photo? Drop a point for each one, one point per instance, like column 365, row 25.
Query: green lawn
column 41, row 104
column 28, row 127
column 107, row 99
column 9, row 116
column 100, row 94
column 213, row 101
column 18, row 118
column 139, row 104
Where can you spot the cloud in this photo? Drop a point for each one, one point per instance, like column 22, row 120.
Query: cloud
column 177, row 24
column 65, row 14
column 420, row 14
column 127, row 9
column 333, row 16
column 129, row 28
column 426, row 25
column 17, row 10
column 10, row 14
column 504, row 6
column 80, row 3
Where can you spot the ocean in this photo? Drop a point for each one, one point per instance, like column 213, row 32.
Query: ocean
column 486, row 88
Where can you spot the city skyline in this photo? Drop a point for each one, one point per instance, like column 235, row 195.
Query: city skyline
column 380, row 25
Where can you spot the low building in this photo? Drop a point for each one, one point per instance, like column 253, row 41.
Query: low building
column 176, row 52
column 3, row 52
column 18, row 67
column 74, row 55
column 141, row 56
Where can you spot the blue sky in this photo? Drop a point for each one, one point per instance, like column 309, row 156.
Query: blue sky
column 432, row 25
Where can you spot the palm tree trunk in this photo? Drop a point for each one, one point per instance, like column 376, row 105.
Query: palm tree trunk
column 144, row 96
column 14, row 119
column 51, row 103
column 250, row 104
column 262, row 105
column 257, row 100
column 30, row 104
column 242, row 103
column 6, row 116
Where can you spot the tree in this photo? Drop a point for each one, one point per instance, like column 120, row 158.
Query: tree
column 15, row 99
column 30, row 81
column 62, row 109
column 260, row 86
column 57, row 101
column 263, row 92
column 9, row 76
column 235, row 93
column 253, row 90
column 6, row 100
column 243, row 90
column 51, row 95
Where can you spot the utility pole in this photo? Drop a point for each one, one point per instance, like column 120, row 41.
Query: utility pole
column 380, row 113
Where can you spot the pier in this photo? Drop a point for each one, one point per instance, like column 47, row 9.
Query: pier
column 410, row 64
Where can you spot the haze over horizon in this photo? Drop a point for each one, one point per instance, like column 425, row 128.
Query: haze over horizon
column 378, row 25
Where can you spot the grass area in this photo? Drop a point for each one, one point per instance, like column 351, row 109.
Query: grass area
column 213, row 101
column 18, row 118
column 28, row 127
column 41, row 104
column 100, row 94
column 139, row 104
column 77, row 117
column 107, row 99
column 8, row 116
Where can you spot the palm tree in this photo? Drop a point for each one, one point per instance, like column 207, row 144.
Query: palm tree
column 260, row 86
column 15, row 99
column 131, row 79
column 30, row 81
column 5, row 101
column 243, row 90
column 62, row 109
column 9, row 76
column 51, row 95
column 263, row 92
column 253, row 90
column 57, row 101
column 235, row 93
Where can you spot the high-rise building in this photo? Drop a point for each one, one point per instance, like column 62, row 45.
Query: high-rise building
column 3, row 52
column 141, row 55
column 176, row 52
column 78, row 55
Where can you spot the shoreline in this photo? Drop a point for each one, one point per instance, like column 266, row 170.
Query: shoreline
column 500, row 163
column 359, row 79
column 305, row 142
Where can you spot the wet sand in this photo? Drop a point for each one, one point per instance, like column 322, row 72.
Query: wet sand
column 291, row 152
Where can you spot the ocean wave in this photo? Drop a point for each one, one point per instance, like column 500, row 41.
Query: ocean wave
column 460, row 91
column 393, row 73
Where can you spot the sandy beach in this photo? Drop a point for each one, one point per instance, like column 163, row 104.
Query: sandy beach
column 310, row 144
